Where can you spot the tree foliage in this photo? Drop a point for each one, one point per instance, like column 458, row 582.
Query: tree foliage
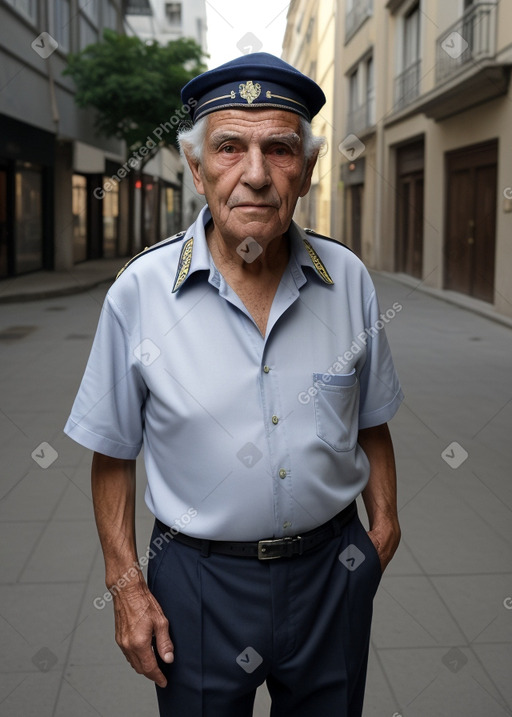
column 134, row 86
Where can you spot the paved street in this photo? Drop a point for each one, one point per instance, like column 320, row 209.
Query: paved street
column 442, row 637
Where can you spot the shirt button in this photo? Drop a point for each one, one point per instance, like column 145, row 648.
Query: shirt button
column 266, row 369
column 275, row 420
column 282, row 473
column 287, row 524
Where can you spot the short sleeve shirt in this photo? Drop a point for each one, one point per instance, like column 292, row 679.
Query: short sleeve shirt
column 253, row 436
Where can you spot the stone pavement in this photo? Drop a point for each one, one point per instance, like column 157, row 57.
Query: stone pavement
column 442, row 636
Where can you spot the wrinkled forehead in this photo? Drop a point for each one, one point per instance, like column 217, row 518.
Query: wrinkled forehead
column 253, row 125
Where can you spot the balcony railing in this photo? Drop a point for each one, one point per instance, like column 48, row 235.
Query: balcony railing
column 362, row 117
column 407, row 85
column 356, row 16
column 471, row 38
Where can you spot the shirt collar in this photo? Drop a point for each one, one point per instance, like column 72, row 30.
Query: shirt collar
column 195, row 255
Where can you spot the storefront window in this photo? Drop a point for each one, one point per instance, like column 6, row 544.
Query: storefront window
column 171, row 219
column 110, row 221
column 29, row 218
column 79, row 218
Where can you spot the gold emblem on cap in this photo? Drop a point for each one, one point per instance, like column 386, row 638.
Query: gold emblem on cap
column 249, row 91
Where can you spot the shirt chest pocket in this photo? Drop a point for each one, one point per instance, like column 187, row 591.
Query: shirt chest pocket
column 337, row 409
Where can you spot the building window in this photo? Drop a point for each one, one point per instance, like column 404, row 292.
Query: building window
column 61, row 23
column 79, row 218
column 411, row 37
column 88, row 23
column 361, row 97
column 28, row 8
column 29, row 217
column 110, row 15
column 407, row 83
column 110, row 221
column 90, row 9
column 370, row 92
column 137, row 7
column 173, row 12
column 88, row 34
column 356, row 12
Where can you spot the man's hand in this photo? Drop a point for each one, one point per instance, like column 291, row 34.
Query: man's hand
column 138, row 617
column 386, row 539
column 137, row 613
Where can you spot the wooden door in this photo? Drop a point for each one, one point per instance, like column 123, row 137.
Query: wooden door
column 409, row 209
column 471, row 221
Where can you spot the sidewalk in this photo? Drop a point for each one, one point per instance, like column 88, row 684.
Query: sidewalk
column 49, row 284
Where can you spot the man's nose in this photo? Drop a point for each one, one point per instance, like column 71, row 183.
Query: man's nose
column 255, row 172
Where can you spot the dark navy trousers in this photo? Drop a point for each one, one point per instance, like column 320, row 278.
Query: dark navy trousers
column 302, row 624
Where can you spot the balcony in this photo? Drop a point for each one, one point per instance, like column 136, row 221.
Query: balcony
column 361, row 120
column 467, row 71
column 407, row 86
column 356, row 16
column 470, row 39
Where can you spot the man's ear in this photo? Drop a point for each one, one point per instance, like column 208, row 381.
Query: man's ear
column 197, row 175
column 306, row 185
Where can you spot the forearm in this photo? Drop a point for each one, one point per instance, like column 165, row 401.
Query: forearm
column 380, row 494
column 113, row 495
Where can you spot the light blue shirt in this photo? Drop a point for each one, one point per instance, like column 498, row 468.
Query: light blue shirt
column 245, row 437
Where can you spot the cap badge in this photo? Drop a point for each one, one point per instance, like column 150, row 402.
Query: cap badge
column 249, row 91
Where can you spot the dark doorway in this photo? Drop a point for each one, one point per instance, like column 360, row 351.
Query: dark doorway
column 471, row 220
column 410, row 162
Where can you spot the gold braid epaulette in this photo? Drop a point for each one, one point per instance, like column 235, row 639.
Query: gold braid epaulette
column 317, row 263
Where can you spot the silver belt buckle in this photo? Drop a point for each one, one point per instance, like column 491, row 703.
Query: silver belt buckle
column 265, row 547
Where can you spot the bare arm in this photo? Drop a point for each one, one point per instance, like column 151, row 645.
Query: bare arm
column 379, row 496
column 138, row 616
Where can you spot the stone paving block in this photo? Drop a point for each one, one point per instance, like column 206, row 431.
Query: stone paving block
column 64, row 553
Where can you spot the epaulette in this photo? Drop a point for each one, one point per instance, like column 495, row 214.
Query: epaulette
column 313, row 233
column 148, row 249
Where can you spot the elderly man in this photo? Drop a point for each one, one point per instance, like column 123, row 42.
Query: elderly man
column 248, row 357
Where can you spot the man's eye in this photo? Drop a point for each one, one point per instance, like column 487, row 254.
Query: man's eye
column 228, row 149
column 281, row 151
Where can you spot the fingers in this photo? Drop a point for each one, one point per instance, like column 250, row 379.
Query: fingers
column 163, row 641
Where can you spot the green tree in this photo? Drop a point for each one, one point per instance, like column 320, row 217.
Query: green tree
column 134, row 86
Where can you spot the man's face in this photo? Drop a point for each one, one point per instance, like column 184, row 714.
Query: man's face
column 252, row 172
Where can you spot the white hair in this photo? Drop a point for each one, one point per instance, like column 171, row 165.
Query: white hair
column 191, row 139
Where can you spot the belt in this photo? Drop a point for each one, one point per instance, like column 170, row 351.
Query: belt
column 273, row 547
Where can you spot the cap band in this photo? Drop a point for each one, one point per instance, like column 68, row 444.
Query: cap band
column 258, row 94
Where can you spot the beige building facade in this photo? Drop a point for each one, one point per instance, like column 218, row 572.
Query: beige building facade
column 421, row 141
